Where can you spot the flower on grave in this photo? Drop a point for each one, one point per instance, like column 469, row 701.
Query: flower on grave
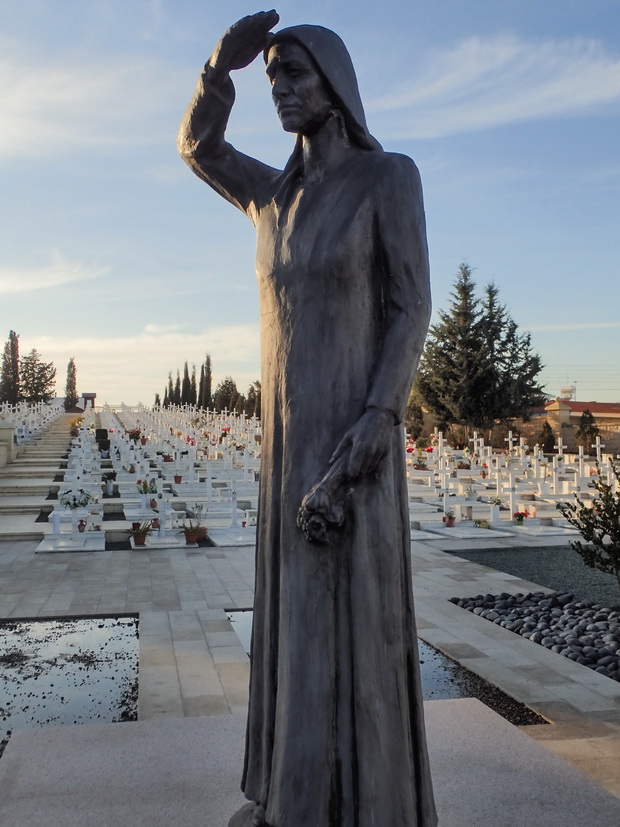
column 75, row 498
column 449, row 515
column 519, row 516
column 496, row 501
column 429, row 450
column 146, row 486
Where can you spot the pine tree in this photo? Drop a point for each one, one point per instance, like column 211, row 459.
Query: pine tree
column 546, row 440
column 157, row 403
column 37, row 378
column 455, row 368
column 598, row 522
column 587, row 431
column 9, row 381
column 177, row 390
column 170, row 391
column 226, row 394
column 250, row 401
column 257, row 390
column 513, row 390
column 71, row 397
column 414, row 416
column 477, row 369
column 166, row 402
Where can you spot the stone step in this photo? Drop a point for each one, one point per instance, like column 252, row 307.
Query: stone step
column 17, row 472
column 27, row 488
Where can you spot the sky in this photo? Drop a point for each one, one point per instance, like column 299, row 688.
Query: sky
column 114, row 253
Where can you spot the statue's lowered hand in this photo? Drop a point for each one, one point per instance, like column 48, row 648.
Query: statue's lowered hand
column 324, row 507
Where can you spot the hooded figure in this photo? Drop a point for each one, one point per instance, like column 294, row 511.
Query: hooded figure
column 335, row 734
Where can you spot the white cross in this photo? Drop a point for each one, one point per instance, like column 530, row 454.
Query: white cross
column 598, row 446
column 509, row 439
column 560, row 447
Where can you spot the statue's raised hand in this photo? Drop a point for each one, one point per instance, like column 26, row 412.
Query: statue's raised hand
column 243, row 41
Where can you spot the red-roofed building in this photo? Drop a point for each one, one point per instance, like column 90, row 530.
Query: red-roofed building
column 564, row 416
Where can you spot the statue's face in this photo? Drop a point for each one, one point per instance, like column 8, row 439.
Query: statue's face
column 298, row 91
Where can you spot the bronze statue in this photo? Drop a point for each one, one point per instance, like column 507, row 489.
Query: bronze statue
column 335, row 733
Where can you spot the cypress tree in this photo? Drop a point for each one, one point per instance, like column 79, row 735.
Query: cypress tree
column 193, row 392
column 185, row 386
column 177, row 389
column 208, row 396
column 71, row 397
column 9, row 381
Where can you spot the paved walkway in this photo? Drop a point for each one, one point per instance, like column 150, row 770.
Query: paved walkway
column 192, row 664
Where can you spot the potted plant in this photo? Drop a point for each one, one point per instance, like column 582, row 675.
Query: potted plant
column 146, row 487
column 177, row 479
column 201, row 529
column 190, row 529
column 519, row 516
column 134, row 433
column 448, row 518
column 139, row 532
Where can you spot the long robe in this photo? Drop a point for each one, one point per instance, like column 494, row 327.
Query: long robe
column 335, row 734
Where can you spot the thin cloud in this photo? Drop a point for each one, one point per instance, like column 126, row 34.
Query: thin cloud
column 133, row 368
column 74, row 104
column 59, row 271
column 576, row 326
column 154, row 329
column 490, row 82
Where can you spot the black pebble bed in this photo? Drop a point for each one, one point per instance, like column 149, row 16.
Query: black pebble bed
column 586, row 630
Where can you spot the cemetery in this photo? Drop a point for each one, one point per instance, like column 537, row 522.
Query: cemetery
column 73, row 496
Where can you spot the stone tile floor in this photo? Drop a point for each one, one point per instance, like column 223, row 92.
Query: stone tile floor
column 192, row 664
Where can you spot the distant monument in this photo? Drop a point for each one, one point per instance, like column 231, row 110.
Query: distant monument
column 335, row 733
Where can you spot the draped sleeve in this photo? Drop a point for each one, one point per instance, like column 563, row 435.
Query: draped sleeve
column 245, row 182
column 400, row 229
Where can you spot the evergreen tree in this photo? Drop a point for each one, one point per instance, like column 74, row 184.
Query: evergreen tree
column 414, row 416
column 166, row 402
column 37, row 378
column 257, row 390
column 185, row 386
column 157, row 403
column 71, row 397
column 546, row 440
column 226, row 394
column 513, row 390
column 177, row 389
column 455, row 369
column 207, row 395
column 598, row 522
column 201, row 387
column 250, row 401
column 170, row 392
column 587, row 431
column 9, row 380
column 193, row 392
column 477, row 368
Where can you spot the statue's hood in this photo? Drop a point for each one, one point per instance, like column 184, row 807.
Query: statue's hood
column 335, row 64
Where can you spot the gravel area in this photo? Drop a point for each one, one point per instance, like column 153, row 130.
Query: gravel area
column 560, row 569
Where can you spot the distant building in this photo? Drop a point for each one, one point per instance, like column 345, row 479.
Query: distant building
column 564, row 416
